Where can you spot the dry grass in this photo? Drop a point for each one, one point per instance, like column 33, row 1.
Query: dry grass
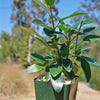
column 14, row 81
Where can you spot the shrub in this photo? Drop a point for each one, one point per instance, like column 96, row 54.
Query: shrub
column 95, row 79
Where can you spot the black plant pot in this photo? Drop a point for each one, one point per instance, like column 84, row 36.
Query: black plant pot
column 45, row 91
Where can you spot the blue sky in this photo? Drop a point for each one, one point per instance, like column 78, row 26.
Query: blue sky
column 65, row 7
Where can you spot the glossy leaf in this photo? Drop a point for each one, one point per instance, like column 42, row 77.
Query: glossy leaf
column 38, row 58
column 91, row 38
column 86, row 68
column 48, row 33
column 67, row 64
column 53, row 63
column 56, row 70
column 39, row 22
column 64, row 28
column 50, row 2
column 34, row 68
column 64, row 50
column 55, row 32
column 74, row 14
column 89, row 30
column 48, row 58
column 85, row 48
column 42, row 4
column 89, row 21
column 59, row 61
column 58, row 82
column 71, row 75
column 92, row 61
column 47, row 73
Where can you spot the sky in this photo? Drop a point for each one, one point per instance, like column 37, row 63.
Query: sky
column 66, row 7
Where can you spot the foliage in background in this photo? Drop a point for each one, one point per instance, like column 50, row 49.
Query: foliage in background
column 95, row 53
column 95, row 79
column 24, row 51
column 8, row 49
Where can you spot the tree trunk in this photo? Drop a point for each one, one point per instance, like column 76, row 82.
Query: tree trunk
column 29, row 48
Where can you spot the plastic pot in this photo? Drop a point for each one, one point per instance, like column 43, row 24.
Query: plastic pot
column 45, row 91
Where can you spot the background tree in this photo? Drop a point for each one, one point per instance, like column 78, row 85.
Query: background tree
column 7, row 48
column 92, row 7
column 23, row 12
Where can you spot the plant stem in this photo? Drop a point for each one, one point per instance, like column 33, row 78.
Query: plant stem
column 58, row 52
column 52, row 22
column 68, row 44
column 77, row 34
column 58, row 24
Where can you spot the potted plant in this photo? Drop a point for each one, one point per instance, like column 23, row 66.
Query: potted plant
column 59, row 81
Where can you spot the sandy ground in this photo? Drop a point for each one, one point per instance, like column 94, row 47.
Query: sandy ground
column 84, row 93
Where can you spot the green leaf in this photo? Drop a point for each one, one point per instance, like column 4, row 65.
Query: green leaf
column 57, row 33
column 89, row 21
column 64, row 50
column 58, row 82
column 38, row 58
column 47, row 73
column 34, row 68
column 33, row 31
column 67, row 64
column 48, row 58
column 92, row 61
column 42, row 4
column 59, row 19
column 89, row 30
column 73, row 80
column 91, row 38
column 75, row 26
column 56, row 70
column 39, row 22
column 41, row 41
column 64, row 28
column 86, row 68
column 48, row 33
column 78, row 41
column 74, row 14
column 85, row 48
column 71, row 75
column 50, row 2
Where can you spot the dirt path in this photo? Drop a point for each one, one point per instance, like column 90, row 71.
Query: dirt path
column 84, row 93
